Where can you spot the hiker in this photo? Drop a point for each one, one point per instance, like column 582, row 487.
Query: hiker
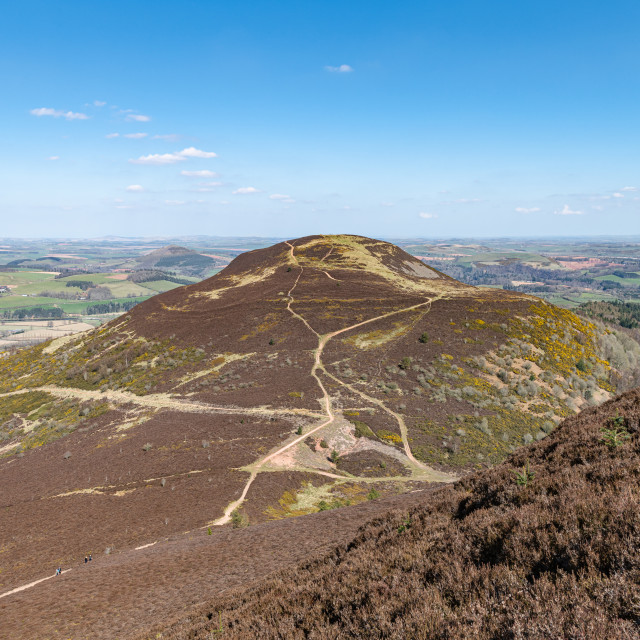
column 89, row 557
column 86, row 559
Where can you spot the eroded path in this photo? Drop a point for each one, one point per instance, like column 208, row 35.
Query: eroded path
column 158, row 401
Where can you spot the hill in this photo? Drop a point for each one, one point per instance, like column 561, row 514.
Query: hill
column 179, row 259
column 545, row 545
column 318, row 373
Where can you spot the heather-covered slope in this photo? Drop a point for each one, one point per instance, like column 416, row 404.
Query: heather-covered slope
column 316, row 373
column 555, row 554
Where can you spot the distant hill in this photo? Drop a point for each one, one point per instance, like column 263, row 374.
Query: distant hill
column 178, row 259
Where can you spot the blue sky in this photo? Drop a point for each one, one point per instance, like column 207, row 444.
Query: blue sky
column 285, row 118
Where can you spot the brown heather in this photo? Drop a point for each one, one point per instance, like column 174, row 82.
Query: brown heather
column 484, row 558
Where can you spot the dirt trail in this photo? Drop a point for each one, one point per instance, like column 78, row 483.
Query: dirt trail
column 158, row 401
column 424, row 471
column 24, row 587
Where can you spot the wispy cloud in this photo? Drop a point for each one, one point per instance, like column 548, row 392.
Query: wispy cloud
column 245, row 191
column 629, row 189
column 343, row 68
column 135, row 136
column 170, row 137
column 567, row 211
column 137, row 117
column 282, row 197
column 527, row 210
column 192, row 152
column 158, row 159
column 387, row 204
column 205, row 173
column 54, row 157
column 112, row 135
column 57, row 113
column 99, row 103
column 618, row 195
column 424, row 214
column 175, row 203
column 135, row 188
column 173, row 158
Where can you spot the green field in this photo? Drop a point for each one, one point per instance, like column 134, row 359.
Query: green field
column 629, row 282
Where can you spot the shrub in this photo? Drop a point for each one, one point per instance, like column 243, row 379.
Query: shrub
column 582, row 365
column 405, row 363
column 617, row 435
column 239, row 520
column 373, row 494
column 323, row 444
column 334, row 456
column 147, row 447
column 524, row 476
column 424, row 338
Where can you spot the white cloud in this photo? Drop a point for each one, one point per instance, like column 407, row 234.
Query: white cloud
column 158, row 159
column 136, row 117
column 175, row 203
column 426, row 215
column 527, row 210
column 136, row 136
column 99, row 103
column 56, row 113
column 245, row 191
column 618, row 195
column 205, row 173
column 112, row 135
column 54, row 157
column 567, row 211
column 172, row 158
column 279, row 196
column 192, row 152
column 211, row 184
column 343, row 68
column 135, row 188
column 629, row 189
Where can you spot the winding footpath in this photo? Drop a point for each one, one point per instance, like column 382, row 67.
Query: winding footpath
column 424, row 472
